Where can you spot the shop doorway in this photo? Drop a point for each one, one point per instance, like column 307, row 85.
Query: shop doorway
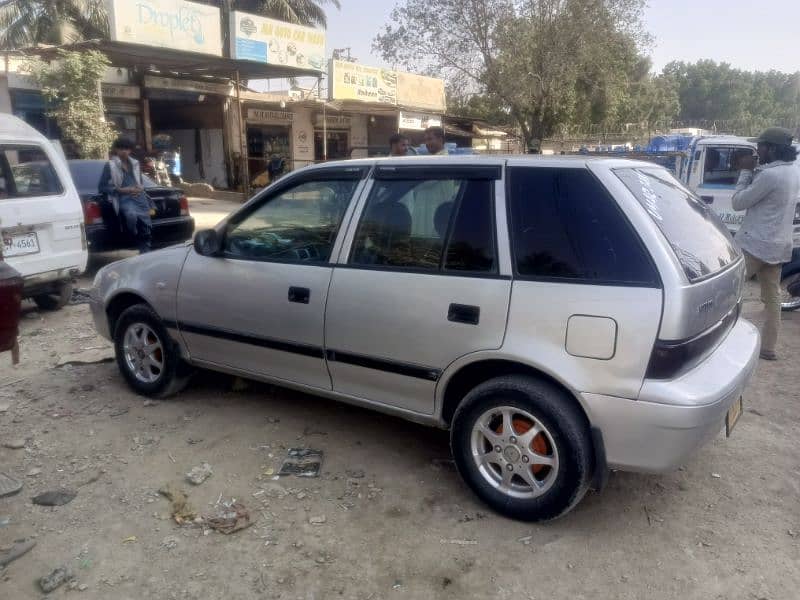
column 338, row 145
column 264, row 142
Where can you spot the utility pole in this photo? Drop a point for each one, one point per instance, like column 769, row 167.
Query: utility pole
column 227, row 50
column 338, row 52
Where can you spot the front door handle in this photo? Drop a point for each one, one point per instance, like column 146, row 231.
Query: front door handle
column 464, row 313
column 300, row 295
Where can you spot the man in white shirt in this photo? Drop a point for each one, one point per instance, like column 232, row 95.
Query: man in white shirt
column 768, row 193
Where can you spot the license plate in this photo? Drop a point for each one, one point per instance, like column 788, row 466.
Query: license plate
column 17, row 245
column 732, row 219
column 734, row 412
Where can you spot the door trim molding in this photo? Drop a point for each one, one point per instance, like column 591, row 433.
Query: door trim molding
column 359, row 360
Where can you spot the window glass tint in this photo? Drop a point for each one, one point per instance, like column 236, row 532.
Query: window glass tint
column 719, row 168
column 698, row 238
column 565, row 226
column 86, row 175
column 25, row 171
column 405, row 223
column 471, row 244
column 297, row 225
column 428, row 224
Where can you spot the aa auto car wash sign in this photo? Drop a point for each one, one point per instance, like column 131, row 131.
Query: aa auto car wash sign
column 276, row 43
column 175, row 24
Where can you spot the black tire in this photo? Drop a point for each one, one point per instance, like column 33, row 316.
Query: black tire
column 566, row 437
column 790, row 298
column 174, row 373
column 55, row 300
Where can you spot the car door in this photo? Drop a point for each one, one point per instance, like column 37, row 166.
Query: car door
column 418, row 284
column 720, row 174
column 258, row 307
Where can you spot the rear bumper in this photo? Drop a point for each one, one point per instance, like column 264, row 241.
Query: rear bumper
column 41, row 283
column 672, row 419
column 166, row 232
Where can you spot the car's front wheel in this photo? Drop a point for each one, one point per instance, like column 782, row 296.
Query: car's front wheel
column 56, row 299
column 146, row 356
column 523, row 447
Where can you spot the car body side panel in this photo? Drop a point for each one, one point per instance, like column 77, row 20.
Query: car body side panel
column 537, row 329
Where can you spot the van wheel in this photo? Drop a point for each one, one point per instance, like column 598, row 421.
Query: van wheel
column 146, row 355
column 523, row 447
column 55, row 300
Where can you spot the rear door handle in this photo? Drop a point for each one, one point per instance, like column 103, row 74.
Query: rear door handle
column 300, row 295
column 464, row 313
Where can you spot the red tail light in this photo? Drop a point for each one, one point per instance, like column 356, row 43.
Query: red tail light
column 92, row 215
column 184, row 201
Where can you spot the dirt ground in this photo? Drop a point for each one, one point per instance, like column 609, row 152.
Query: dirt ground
column 387, row 518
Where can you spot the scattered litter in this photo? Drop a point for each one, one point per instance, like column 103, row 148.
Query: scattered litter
column 459, row 542
column 34, row 472
column 716, row 475
column 230, row 516
column 302, row 462
column 397, row 584
column 129, row 540
column 148, row 403
column 56, row 578
column 525, row 540
column 270, row 471
column 55, row 498
column 169, row 542
column 4, row 521
column 193, row 441
column 199, row 474
column 8, row 485
column 172, row 458
column 83, row 587
column 180, row 508
column 19, row 548
column 80, row 296
column 320, row 560
column 119, row 412
column 273, row 420
column 318, row 520
column 90, row 357
column 355, row 473
column 792, row 532
column 14, row 444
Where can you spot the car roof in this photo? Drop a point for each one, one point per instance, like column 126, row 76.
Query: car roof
column 534, row 160
column 733, row 140
column 14, row 128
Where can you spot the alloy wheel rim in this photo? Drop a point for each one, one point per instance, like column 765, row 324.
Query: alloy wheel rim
column 143, row 352
column 514, row 452
column 787, row 300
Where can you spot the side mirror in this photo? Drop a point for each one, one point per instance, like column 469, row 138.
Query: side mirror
column 207, row 242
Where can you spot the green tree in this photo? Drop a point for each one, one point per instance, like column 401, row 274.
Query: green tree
column 28, row 22
column 71, row 85
column 301, row 12
column 549, row 63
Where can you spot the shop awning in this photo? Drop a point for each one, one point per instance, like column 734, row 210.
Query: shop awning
column 156, row 59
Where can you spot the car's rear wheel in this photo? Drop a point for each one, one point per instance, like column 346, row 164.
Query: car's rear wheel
column 523, row 447
column 55, row 300
column 146, row 355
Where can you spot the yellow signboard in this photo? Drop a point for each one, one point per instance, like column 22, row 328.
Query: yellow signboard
column 353, row 81
column 417, row 91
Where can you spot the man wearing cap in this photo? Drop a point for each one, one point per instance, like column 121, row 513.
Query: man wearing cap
column 768, row 192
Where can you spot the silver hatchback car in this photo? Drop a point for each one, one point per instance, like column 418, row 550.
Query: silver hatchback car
column 560, row 316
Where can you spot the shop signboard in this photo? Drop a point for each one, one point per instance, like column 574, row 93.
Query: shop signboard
column 176, row 24
column 418, row 121
column 354, row 81
column 332, row 121
column 258, row 115
column 183, row 85
column 276, row 42
column 122, row 92
column 417, row 91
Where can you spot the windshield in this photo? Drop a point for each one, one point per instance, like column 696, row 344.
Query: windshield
column 699, row 239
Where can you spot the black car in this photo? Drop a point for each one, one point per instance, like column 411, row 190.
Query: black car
column 105, row 231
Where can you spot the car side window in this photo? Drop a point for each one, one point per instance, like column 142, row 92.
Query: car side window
column 25, row 172
column 566, row 226
column 298, row 224
column 721, row 165
column 433, row 225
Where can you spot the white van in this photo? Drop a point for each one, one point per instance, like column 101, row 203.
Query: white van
column 41, row 216
column 709, row 170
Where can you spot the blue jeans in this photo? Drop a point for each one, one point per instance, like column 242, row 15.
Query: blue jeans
column 135, row 214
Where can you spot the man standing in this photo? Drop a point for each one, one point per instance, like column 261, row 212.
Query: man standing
column 768, row 193
column 398, row 145
column 122, row 181
column 434, row 140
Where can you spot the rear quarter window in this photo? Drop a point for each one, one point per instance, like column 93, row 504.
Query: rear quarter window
column 698, row 238
column 565, row 225
column 26, row 172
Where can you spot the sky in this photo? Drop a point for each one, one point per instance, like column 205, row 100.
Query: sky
column 749, row 35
